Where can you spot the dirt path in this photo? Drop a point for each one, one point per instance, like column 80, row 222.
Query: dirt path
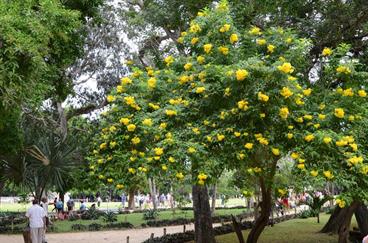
column 113, row 236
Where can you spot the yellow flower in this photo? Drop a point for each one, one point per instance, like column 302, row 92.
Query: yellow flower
column 271, row 48
column 307, row 92
column 248, row 146
column 180, row 40
column 362, row 93
column 348, row 92
column 224, row 50
column 100, row 161
column 225, row 28
column 112, row 144
column 194, row 28
column 200, row 59
column 120, row 89
column 262, row 140
column 170, row 112
column 126, row 80
column 241, row 74
column 262, row 115
column 243, row 105
column 326, row 51
column 147, row 122
column 276, row 151
column 286, row 68
column 262, row 97
column 294, row 155
column 289, row 40
column 220, row 137
column 152, row 83
column 339, row 112
column 290, row 135
column 282, row 192
column 328, row 174
column 171, row 159
column 164, row 167
column 131, row 170
column 342, row 204
column 188, row 66
column 207, row 48
column 131, row 127
column 354, row 146
column 233, row 38
column 327, row 140
column 110, row 98
column 202, row 176
column 179, row 175
column 200, row 182
column 194, row 40
column 286, row 92
column 314, row 173
column 158, row 151
column 129, row 100
column 284, row 112
column 112, row 129
column 209, row 138
column 321, row 116
column 309, row 137
column 237, row 134
column 191, row 150
column 308, row 117
column 341, row 143
column 255, row 31
column 343, row 69
column 119, row 186
column 110, row 180
column 200, row 90
column 261, row 42
column 169, row 60
column 301, row 166
column 163, row 125
column 136, row 140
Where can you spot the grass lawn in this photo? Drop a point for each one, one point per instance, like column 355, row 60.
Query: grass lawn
column 292, row 231
column 17, row 207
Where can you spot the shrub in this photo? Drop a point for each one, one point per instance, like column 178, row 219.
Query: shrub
column 119, row 225
column 150, row 214
column 73, row 217
column 306, row 214
column 109, row 217
column 95, row 227
column 91, row 214
column 79, row 227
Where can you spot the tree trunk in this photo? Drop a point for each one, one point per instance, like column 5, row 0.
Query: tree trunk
column 202, row 215
column 213, row 202
column 361, row 215
column 152, row 187
column 334, row 222
column 262, row 220
column 345, row 224
column 237, row 229
column 131, row 204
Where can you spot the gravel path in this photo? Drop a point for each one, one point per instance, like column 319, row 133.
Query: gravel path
column 113, row 236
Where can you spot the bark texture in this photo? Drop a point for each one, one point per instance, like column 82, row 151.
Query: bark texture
column 202, row 215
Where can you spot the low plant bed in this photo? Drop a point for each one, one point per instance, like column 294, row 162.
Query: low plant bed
column 220, row 230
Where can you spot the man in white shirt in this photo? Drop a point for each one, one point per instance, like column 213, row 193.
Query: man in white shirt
column 37, row 220
column 45, row 205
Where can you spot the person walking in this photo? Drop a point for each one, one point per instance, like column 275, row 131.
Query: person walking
column 45, row 205
column 123, row 199
column 37, row 222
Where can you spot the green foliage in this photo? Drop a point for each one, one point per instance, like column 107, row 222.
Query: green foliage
column 150, row 214
column 110, row 217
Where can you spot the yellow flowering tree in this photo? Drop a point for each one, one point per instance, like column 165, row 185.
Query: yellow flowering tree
column 239, row 99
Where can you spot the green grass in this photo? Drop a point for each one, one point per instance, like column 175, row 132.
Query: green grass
column 17, row 207
column 292, row 231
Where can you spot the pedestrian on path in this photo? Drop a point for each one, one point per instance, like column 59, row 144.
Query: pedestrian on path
column 37, row 222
